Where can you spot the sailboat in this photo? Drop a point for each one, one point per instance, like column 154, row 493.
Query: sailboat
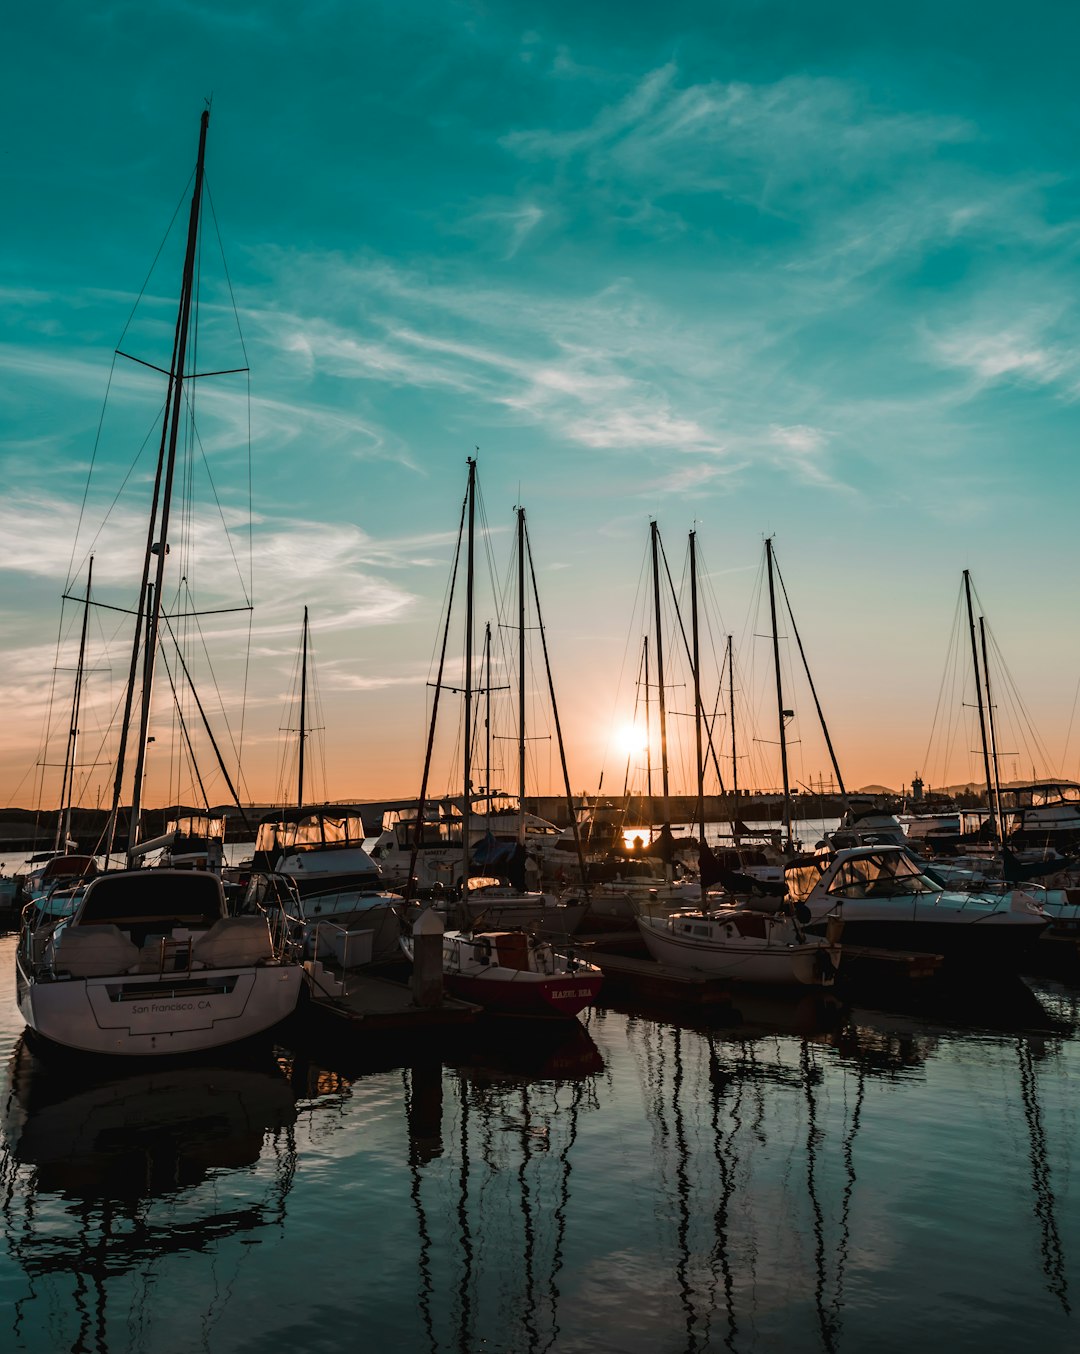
column 485, row 899
column 149, row 963
column 497, row 954
column 313, row 857
column 728, row 940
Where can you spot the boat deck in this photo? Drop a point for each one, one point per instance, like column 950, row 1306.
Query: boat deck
column 377, row 1004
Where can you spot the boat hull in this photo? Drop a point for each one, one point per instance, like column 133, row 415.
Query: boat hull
column 806, row 965
column 145, row 1015
column 979, row 943
column 522, row 994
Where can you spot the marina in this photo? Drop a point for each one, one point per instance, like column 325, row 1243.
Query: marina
column 759, row 1175
column 541, row 704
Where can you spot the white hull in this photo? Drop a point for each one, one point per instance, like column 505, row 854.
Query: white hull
column 672, row 940
column 147, row 1015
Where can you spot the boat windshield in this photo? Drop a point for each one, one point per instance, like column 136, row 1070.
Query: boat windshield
column 184, row 899
column 881, row 876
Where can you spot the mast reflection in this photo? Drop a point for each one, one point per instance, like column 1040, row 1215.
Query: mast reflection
column 729, row 1169
column 491, row 1157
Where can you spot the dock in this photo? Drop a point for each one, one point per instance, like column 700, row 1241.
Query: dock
column 366, row 1002
column 864, row 963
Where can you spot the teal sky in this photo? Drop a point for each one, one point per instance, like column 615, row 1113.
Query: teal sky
column 759, row 268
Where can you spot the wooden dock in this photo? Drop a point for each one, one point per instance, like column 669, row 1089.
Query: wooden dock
column 864, row 963
column 364, row 1002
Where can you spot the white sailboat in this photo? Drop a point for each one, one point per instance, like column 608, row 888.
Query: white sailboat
column 148, row 962
column 738, row 943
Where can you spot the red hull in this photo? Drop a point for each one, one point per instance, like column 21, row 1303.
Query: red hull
column 541, row 997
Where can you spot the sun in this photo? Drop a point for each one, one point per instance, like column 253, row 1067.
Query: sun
column 631, row 740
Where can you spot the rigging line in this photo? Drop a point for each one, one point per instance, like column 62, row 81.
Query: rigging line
column 112, row 369
column 558, row 727
column 213, row 489
column 89, row 475
column 157, row 255
column 690, row 659
column 1022, row 709
column 73, row 570
column 1068, row 731
column 944, row 677
column 449, row 601
column 184, row 731
column 237, row 747
column 809, row 678
column 206, row 722
column 225, row 266
column 631, row 635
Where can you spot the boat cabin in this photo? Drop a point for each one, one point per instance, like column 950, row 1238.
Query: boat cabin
column 863, row 872
column 302, row 830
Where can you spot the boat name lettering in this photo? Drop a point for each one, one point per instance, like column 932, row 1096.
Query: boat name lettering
column 154, row 1009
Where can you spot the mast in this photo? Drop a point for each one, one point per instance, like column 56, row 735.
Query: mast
column 655, row 537
column 469, row 581
column 303, row 714
column 734, row 758
column 166, row 469
column 642, row 667
column 780, row 712
column 699, row 714
column 993, row 736
column 521, row 674
column 487, row 718
column 648, row 725
column 978, row 690
column 67, row 788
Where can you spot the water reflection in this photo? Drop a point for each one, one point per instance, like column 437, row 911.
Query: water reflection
column 109, row 1177
column 1029, row 1053
column 798, row 1175
column 520, row 1101
column 771, row 1099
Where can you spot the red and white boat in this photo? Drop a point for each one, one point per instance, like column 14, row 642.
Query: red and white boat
column 514, row 973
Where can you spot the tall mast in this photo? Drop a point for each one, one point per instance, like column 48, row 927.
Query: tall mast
column 734, row 757
column 779, row 694
column 303, row 715
column 699, row 714
column 978, row 690
column 993, row 736
column 67, row 788
column 487, row 716
column 655, row 537
column 469, row 580
column 521, row 674
column 160, row 547
column 648, row 726
column 642, row 668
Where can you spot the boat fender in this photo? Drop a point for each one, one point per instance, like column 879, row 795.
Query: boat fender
column 802, row 914
column 483, row 952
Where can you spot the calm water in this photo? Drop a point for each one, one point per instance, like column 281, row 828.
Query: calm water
column 804, row 1179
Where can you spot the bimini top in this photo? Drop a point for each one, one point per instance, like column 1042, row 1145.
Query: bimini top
column 308, row 830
